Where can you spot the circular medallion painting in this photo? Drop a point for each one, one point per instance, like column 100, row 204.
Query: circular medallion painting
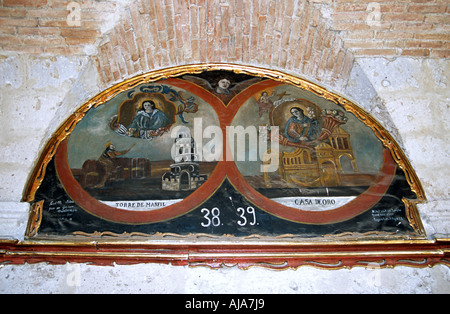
column 134, row 158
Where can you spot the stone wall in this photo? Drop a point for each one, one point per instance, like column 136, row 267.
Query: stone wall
column 390, row 57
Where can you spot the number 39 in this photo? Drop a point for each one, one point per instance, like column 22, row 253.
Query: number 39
column 242, row 212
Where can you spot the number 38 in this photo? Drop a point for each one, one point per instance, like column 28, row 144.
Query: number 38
column 214, row 220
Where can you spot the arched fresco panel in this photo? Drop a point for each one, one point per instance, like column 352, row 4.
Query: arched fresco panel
column 225, row 152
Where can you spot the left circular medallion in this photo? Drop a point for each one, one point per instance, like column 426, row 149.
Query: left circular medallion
column 135, row 158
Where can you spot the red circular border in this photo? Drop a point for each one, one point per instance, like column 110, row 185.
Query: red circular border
column 224, row 169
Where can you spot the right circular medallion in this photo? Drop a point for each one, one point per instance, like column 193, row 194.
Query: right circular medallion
column 304, row 158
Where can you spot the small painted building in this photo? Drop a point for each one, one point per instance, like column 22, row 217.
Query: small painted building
column 184, row 172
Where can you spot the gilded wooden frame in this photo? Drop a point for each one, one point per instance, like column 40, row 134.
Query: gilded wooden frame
column 283, row 252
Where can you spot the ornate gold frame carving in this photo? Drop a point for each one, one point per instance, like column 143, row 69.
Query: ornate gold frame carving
column 413, row 215
column 35, row 219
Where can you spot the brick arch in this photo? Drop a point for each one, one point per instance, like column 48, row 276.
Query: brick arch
column 284, row 35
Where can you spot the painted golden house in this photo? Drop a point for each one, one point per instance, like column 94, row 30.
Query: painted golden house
column 323, row 166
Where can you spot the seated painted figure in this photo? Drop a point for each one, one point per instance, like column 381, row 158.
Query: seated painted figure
column 148, row 122
column 300, row 128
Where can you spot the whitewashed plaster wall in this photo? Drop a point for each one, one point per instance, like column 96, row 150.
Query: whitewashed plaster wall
column 410, row 97
column 416, row 94
column 32, row 89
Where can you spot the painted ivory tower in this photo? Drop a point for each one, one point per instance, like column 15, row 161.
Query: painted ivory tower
column 184, row 172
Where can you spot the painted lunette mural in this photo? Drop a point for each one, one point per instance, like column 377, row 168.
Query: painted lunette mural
column 225, row 154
